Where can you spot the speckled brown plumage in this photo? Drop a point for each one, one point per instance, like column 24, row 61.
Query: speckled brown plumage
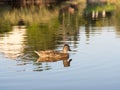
column 54, row 54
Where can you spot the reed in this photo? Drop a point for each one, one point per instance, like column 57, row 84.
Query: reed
column 30, row 16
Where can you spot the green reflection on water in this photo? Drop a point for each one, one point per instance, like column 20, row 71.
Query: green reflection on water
column 46, row 36
column 42, row 37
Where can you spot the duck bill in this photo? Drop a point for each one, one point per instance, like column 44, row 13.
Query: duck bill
column 70, row 49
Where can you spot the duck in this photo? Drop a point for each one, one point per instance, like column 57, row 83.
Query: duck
column 54, row 55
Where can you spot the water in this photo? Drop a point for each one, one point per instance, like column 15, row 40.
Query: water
column 95, row 58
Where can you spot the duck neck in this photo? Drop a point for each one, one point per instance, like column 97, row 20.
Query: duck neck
column 65, row 51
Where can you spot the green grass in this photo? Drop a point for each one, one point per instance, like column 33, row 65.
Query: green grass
column 108, row 7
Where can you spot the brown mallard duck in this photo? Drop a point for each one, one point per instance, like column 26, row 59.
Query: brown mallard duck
column 55, row 54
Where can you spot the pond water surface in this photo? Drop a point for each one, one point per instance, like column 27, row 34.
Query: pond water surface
column 95, row 58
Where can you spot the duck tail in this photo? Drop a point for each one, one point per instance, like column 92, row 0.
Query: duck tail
column 37, row 53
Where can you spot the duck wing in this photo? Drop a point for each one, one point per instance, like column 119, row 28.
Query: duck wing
column 48, row 53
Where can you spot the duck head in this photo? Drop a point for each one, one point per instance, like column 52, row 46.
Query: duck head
column 66, row 48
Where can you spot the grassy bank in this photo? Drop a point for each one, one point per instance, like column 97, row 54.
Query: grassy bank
column 31, row 16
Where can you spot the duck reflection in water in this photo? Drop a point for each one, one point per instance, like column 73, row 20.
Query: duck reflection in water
column 53, row 56
column 66, row 61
